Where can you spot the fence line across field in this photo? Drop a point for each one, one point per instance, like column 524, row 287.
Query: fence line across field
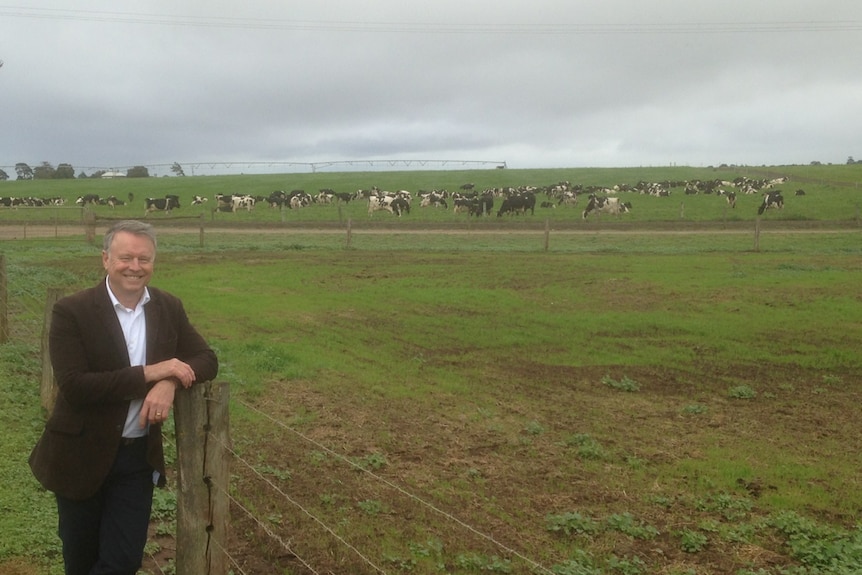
column 202, row 430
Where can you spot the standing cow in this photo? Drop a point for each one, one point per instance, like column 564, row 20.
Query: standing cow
column 606, row 205
column 771, row 200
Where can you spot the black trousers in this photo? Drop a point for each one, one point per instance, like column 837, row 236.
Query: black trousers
column 106, row 534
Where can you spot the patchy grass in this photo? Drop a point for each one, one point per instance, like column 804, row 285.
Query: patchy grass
column 486, row 385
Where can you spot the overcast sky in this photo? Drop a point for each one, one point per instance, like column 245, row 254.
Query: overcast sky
column 540, row 83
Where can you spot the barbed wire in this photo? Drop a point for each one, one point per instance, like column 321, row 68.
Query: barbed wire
column 397, row 488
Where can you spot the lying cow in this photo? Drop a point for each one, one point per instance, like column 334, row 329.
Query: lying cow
column 771, row 200
column 606, row 205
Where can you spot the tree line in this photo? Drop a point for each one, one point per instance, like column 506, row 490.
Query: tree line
column 46, row 171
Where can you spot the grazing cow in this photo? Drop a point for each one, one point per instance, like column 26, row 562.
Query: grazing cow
column 396, row 205
column 112, row 201
column 731, row 199
column 771, row 200
column 165, row 204
column 568, row 197
column 605, row 205
column 198, row 200
column 434, row 198
column 518, row 204
column 324, row 196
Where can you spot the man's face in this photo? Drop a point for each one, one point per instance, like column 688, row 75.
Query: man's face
column 129, row 263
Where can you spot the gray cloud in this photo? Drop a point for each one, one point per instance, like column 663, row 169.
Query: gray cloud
column 547, row 83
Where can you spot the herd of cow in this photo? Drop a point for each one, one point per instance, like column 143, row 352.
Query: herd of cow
column 512, row 200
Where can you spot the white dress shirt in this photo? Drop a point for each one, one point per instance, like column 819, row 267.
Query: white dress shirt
column 134, row 324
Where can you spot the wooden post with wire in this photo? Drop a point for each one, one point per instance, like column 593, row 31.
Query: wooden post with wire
column 757, row 234
column 4, row 301
column 547, row 233
column 48, row 386
column 201, row 419
column 90, row 225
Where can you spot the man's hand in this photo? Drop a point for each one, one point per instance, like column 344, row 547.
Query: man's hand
column 158, row 403
column 170, row 368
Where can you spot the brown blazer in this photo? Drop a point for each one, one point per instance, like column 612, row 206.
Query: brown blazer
column 96, row 384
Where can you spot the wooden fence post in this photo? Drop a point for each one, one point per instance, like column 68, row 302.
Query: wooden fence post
column 90, row 225
column 757, row 234
column 547, row 232
column 203, row 514
column 48, row 387
column 4, row 301
column 201, row 223
column 349, row 231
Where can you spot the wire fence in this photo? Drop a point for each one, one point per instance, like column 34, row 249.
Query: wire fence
column 260, row 498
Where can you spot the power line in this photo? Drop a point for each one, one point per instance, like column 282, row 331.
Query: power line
column 427, row 27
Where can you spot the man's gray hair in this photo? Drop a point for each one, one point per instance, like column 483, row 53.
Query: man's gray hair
column 131, row 226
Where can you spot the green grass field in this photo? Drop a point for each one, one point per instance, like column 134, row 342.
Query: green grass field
column 832, row 194
column 627, row 402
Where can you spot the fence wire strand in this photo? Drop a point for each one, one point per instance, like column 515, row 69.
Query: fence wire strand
column 301, row 508
column 388, row 483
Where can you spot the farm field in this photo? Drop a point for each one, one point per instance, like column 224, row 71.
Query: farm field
column 640, row 397
column 832, row 194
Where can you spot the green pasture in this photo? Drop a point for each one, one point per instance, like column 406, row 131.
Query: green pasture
column 622, row 403
column 832, row 193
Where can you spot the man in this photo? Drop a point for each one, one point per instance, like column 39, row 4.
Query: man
column 119, row 350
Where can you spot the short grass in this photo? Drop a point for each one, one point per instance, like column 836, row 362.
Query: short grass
column 621, row 403
column 832, row 194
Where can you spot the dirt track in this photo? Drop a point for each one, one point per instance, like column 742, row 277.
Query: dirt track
column 22, row 231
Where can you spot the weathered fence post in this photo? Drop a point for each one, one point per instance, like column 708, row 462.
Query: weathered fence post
column 201, row 223
column 349, row 231
column 48, row 387
column 757, row 234
column 547, row 232
column 203, row 514
column 90, row 225
column 4, row 301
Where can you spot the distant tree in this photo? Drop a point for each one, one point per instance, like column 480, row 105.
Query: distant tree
column 82, row 175
column 816, row 163
column 177, row 169
column 850, row 160
column 3, row 175
column 44, row 172
column 24, row 171
column 97, row 174
column 138, row 172
column 65, row 172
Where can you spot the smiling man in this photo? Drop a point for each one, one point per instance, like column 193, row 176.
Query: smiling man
column 119, row 351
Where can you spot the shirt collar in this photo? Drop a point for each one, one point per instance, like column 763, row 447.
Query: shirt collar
column 144, row 299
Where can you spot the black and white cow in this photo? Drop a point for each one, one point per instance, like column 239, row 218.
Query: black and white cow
column 518, row 204
column 393, row 204
column 606, row 205
column 165, row 204
column 198, row 200
column 771, row 200
column 435, row 198
column 731, row 198
column 87, row 199
column 112, row 201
